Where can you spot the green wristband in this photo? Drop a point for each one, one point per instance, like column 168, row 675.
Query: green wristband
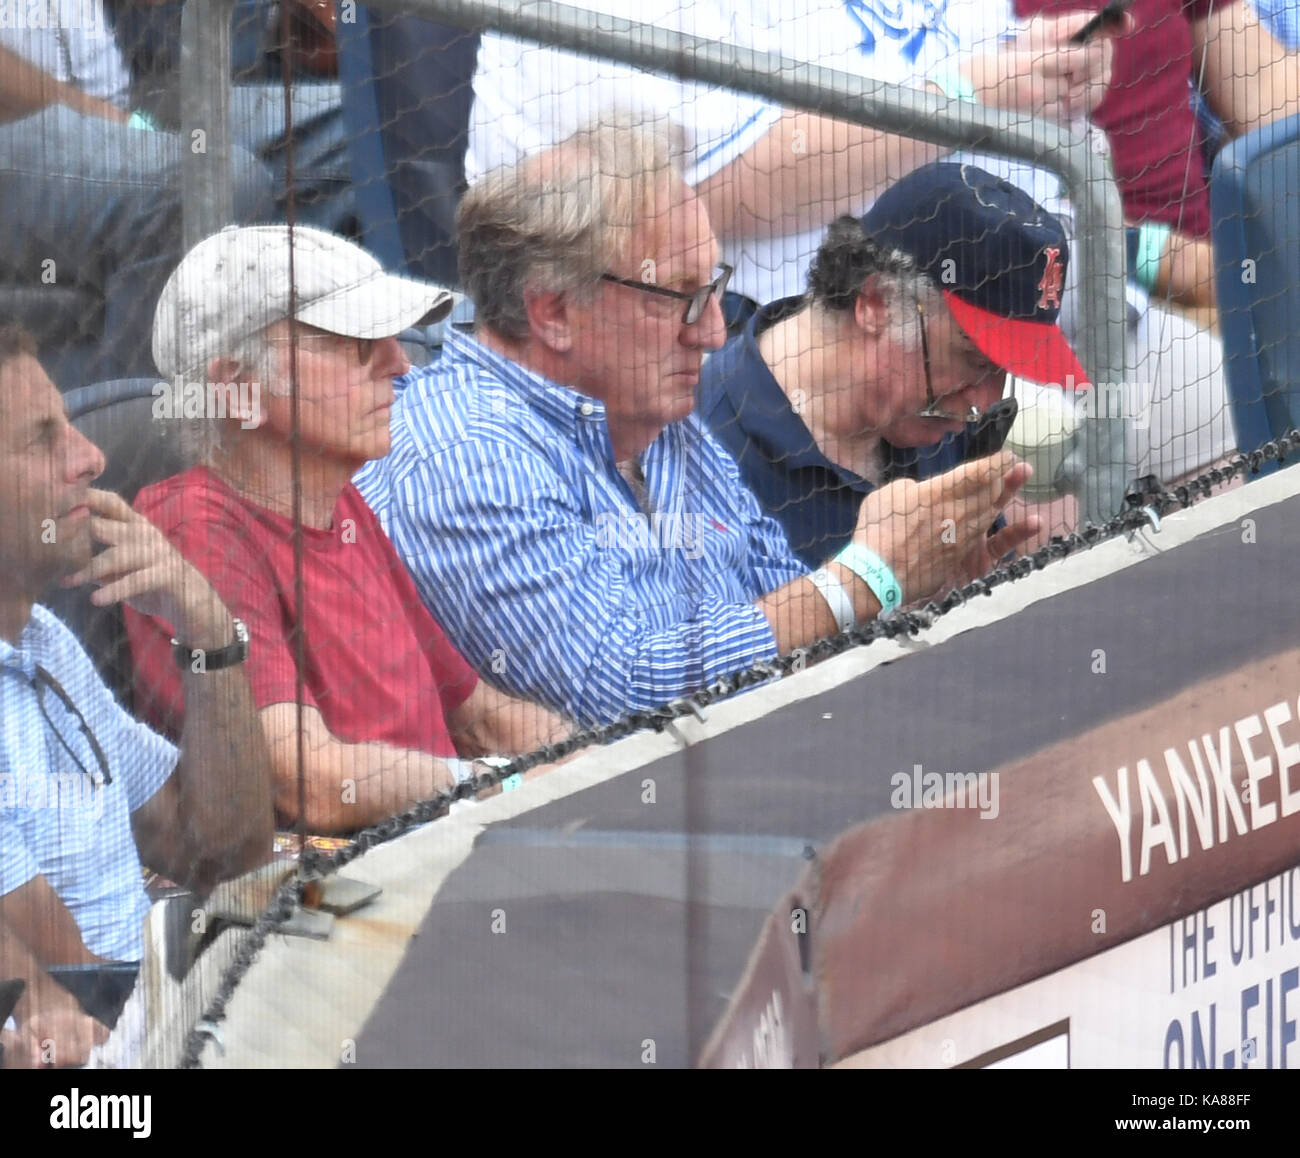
column 1152, row 236
column 875, row 573
column 955, row 86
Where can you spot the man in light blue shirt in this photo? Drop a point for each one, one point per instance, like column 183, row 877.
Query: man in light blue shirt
column 86, row 793
column 580, row 536
column 1282, row 19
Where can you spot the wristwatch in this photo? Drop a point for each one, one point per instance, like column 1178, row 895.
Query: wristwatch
column 198, row 659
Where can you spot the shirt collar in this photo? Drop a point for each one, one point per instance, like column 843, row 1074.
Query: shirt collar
column 769, row 420
column 23, row 658
column 560, row 405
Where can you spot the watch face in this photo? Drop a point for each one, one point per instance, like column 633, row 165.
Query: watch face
column 241, row 631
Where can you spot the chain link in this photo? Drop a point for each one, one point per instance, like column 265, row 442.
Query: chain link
column 313, row 864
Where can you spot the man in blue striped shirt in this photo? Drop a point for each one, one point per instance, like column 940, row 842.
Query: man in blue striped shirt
column 568, row 520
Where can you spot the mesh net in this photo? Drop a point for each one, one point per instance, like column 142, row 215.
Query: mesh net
column 567, row 521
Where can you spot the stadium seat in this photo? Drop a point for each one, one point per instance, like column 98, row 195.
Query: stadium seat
column 1256, row 216
column 67, row 322
column 117, row 417
column 407, row 87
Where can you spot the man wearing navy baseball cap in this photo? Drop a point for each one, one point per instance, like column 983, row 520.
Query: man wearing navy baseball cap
column 914, row 316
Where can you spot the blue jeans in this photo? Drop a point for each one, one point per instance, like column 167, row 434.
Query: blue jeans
column 103, row 203
column 322, row 179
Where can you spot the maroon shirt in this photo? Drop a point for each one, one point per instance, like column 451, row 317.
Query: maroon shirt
column 1154, row 138
column 377, row 666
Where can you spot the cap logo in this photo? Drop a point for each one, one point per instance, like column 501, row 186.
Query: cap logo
column 1049, row 287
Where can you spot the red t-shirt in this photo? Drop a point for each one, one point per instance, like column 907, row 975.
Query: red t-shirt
column 1155, row 142
column 378, row 668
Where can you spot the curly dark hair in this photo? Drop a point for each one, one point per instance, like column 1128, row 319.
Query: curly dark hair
column 845, row 259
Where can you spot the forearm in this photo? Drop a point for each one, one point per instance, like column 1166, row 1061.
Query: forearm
column 1271, row 95
column 342, row 786
column 36, row 915
column 799, row 615
column 24, row 89
column 1246, row 101
column 357, row 785
column 1250, row 78
column 224, row 775
column 491, row 723
column 804, row 172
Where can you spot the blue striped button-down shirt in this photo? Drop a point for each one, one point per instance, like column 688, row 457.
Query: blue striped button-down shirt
column 59, row 817
column 1282, row 19
column 502, row 495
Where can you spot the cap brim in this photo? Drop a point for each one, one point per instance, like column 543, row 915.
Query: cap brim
column 1037, row 351
column 381, row 306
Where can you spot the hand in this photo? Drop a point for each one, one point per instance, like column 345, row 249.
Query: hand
column 62, row 1036
column 141, row 567
column 934, row 534
column 986, row 552
column 95, row 107
column 1040, row 73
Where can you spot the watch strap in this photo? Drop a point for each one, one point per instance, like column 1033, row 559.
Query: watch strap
column 203, row 660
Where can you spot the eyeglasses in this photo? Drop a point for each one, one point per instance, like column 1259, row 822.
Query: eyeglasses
column 365, row 346
column 931, row 402
column 72, row 714
column 696, row 302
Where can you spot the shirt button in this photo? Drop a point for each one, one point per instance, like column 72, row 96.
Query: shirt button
column 586, row 410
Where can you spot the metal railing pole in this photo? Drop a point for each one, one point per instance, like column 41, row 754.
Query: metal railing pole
column 207, row 172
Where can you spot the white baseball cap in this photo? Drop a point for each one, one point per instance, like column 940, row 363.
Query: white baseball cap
column 236, row 283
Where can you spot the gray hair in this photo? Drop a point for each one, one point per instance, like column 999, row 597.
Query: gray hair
column 261, row 362
column 557, row 220
column 903, row 291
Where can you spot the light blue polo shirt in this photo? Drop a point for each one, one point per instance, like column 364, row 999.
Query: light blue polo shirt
column 58, row 818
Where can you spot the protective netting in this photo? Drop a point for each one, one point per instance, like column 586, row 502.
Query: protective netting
column 587, row 516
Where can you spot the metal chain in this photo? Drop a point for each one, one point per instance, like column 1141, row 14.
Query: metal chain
column 1145, row 497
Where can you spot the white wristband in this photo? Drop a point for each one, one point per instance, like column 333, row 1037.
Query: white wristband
column 837, row 599
column 875, row 573
column 462, row 770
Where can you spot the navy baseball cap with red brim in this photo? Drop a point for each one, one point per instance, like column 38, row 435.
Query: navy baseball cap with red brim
column 998, row 257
